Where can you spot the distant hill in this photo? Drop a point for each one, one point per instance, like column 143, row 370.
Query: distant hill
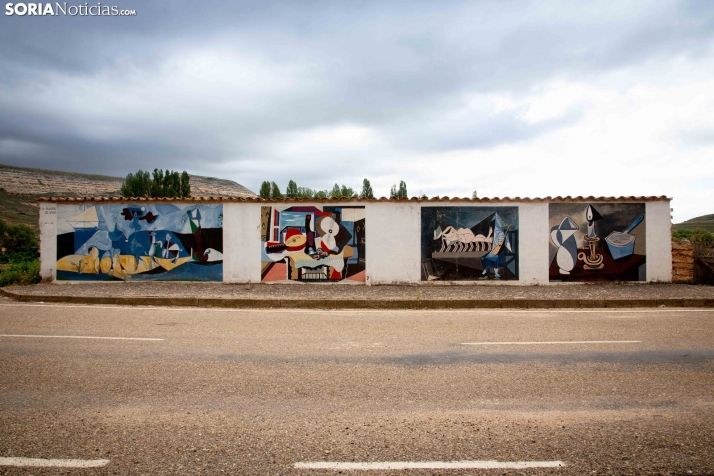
column 21, row 187
column 39, row 181
column 705, row 221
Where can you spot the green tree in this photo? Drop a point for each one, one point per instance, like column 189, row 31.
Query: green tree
column 474, row 194
column 136, row 185
column 265, row 190
column 366, row 189
column 336, row 192
column 166, row 183
column 185, row 185
column 176, row 184
column 305, row 192
column 275, row 191
column 348, row 192
column 321, row 194
column 402, row 192
column 161, row 183
column 157, row 183
column 172, row 184
column 292, row 190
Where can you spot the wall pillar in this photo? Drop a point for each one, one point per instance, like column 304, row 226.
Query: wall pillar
column 48, row 241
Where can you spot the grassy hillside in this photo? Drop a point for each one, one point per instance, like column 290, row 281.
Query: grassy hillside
column 705, row 222
column 19, row 208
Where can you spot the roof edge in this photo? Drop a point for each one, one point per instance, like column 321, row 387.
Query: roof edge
column 347, row 200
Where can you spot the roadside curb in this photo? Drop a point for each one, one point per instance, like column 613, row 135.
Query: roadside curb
column 364, row 303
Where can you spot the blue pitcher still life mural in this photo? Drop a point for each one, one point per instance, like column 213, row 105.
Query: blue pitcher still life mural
column 160, row 242
column 469, row 243
column 597, row 242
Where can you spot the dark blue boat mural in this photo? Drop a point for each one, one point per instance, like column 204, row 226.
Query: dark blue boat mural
column 166, row 242
column 469, row 243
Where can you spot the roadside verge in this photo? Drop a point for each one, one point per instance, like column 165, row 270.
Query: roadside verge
column 368, row 303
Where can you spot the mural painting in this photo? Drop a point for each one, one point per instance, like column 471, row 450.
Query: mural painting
column 306, row 243
column 598, row 241
column 469, row 243
column 162, row 242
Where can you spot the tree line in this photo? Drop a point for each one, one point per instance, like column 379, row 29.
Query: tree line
column 158, row 184
column 272, row 190
column 171, row 184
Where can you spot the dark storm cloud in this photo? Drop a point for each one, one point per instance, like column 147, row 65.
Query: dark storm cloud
column 399, row 68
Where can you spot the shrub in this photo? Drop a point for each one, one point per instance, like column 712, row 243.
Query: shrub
column 24, row 273
column 698, row 236
column 19, row 242
column 702, row 237
column 681, row 234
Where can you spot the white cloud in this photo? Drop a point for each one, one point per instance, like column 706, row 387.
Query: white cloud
column 622, row 145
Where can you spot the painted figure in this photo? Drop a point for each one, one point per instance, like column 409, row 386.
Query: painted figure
column 462, row 239
column 496, row 258
column 563, row 237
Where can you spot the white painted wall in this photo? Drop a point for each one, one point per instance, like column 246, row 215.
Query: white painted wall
column 659, row 241
column 48, row 241
column 393, row 241
column 241, row 242
column 533, row 241
column 393, row 231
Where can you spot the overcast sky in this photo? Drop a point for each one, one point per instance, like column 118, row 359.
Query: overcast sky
column 510, row 98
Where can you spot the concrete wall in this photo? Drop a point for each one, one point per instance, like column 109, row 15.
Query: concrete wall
column 659, row 241
column 393, row 240
column 534, row 237
column 48, row 241
column 241, row 242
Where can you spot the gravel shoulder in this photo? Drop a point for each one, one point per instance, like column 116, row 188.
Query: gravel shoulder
column 332, row 292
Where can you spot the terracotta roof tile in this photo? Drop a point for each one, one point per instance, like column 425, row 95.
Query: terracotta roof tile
column 368, row 200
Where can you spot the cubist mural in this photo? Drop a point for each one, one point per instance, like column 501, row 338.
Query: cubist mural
column 469, row 243
column 597, row 242
column 168, row 242
column 308, row 243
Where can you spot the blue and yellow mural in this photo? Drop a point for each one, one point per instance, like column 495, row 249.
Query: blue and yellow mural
column 160, row 242
column 469, row 243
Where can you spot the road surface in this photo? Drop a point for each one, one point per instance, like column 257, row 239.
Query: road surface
column 126, row 390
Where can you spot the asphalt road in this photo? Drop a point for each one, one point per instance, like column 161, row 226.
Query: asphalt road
column 257, row 392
